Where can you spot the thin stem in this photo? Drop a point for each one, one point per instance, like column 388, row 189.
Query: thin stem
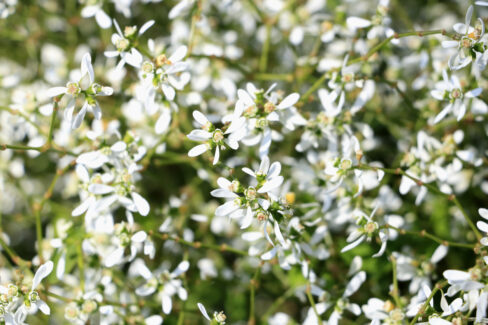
column 263, row 62
column 430, row 187
column 375, row 49
column 40, row 149
column 37, row 208
column 194, row 19
column 14, row 256
column 378, row 46
column 51, row 127
column 426, row 304
column 395, row 293
column 425, row 234
column 219, row 248
column 25, row 117
column 274, row 76
column 310, row 299
column 253, row 286
column 81, row 263
column 257, row 10
column 224, row 59
column 277, row 303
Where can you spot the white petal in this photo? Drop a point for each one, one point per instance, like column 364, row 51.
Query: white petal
column 168, row 91
column 474, row 92
column 483, row 226
column 483, row 213
column 355, row 283
column 289, row 101
column 146, row 26
column 103, row 19
column 79, row 117
column 226, row 209
column 203, row 311
column 43, row 271
column 443, row 113
column 271, row 185
column 100, row 188
column 179, row 54
column 167, row 304
column 269, row 255
column 200, row 118
column 224, row 193
column 198, row 150
column 248, row 218
column 217, row 155
column 467, row 20
column 353, row 244
column 439, row 254
column 56, row 91
column 139, row 236
column 141, row 204
column 199, row 135
column 450, row 44
column 86, row 67
column 181, row 268
column 455, row 275
column 357, row 22
column 43, row 307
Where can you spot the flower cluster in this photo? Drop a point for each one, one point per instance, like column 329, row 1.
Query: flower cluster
column 273, row 162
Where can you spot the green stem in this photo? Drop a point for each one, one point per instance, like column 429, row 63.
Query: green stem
column 40, row 149
column 426, row 304
column 81, row 261
column 194, row 19
column 37, row 208
column 310, row 299
column 273, row 76
column 257, row 10
column 263, row 62
column 219, row 248
column 253, row 286
column 277, row 303
column 51, row 127
column 378, row 46
column 395, row 293
column 430, row 187
column 375, row 49
column 25, row 117
column 438, row 240
column 14, row 256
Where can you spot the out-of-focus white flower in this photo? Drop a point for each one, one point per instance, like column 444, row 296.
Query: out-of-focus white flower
column 103, row 20
column 470, row 46
column 162, row 281
column 125, row 44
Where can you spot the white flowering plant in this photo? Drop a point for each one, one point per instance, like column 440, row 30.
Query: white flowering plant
column 243, row 162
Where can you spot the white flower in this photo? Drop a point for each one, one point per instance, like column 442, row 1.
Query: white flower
column 461, row 280
column 469, row 46
column 165, row 73
column 255, row 110
column 218, row 317
column 88, row 88
column 167, row 284
column 451, row 89
column 212, row 136
column 103, row 20
column 124, row 44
